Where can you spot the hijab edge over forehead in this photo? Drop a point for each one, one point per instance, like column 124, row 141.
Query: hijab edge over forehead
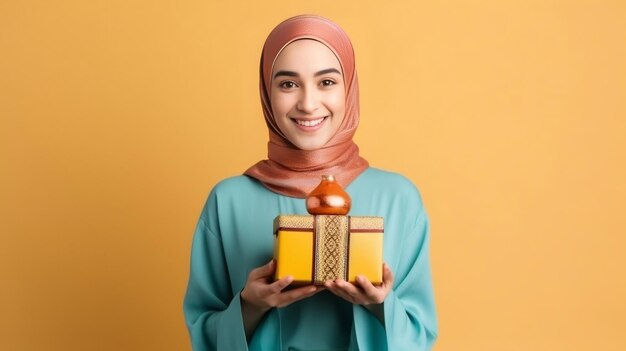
column 307, row 27
column 268, row 77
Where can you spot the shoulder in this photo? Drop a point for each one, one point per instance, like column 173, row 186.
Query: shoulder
column 384, row 193
column 377, row 179
column 235, row 185
column 397, row 179
column 232, row 191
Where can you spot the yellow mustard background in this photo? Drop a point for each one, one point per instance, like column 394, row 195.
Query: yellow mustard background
column 117, row 118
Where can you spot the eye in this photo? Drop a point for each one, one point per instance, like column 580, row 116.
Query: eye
column 287, row 84
column 327, row 82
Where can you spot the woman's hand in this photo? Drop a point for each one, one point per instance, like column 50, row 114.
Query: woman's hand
column 261, row 294
column 364, row 292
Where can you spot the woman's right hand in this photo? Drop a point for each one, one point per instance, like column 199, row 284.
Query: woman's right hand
column 261, row 294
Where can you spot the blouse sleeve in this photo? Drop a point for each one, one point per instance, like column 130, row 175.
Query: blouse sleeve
column 409, row 309
column 212, row 311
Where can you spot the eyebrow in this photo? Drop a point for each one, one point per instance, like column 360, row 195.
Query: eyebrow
column 294, row 74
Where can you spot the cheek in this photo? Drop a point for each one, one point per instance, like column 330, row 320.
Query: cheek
column 281, row 105
column 337, row 103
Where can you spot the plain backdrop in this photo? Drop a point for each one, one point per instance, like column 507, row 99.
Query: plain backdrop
column 118, row 117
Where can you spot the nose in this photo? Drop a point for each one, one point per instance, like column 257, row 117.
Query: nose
column 309, row 100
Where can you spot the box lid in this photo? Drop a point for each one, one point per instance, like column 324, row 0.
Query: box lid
column 306, row 222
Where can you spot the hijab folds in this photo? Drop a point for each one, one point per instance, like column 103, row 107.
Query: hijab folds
column 289, row 170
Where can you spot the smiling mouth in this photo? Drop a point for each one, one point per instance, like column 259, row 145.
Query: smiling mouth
column 309, row 123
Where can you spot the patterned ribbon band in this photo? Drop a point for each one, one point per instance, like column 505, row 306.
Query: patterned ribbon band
column 331, row 248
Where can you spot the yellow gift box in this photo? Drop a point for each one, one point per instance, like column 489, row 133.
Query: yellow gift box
column 317, row 248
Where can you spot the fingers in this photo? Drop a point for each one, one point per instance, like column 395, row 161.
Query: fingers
column 345, row 290
column 271, row 294
column 262, row 292
column 368, row 288
column 333, row 288
column 297, row 294
column 363, row 292
column 348, row 288
column 282, row 299
column 263, row 271
column 278, row 286
column 387, row 276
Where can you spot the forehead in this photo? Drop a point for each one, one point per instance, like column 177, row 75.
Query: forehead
column 306, row 56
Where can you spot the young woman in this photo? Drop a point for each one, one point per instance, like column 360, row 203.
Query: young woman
column 309, row 93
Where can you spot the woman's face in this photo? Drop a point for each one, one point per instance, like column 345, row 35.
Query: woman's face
column 308, row 94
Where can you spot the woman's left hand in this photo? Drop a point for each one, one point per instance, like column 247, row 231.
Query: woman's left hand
column 363, row 292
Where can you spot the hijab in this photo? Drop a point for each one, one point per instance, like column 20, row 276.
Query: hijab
column 289, row 170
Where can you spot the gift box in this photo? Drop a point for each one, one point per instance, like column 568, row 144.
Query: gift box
column 317, row 248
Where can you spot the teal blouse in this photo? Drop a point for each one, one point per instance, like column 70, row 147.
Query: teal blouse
column 234, row 235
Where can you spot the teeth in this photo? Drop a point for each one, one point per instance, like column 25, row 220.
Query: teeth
column 312, row 123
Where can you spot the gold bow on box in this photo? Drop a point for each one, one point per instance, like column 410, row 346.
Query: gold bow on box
column 328, row 244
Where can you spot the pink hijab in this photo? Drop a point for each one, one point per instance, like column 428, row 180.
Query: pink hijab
column 289, row 170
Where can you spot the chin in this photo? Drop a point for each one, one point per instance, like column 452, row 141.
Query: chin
column 310, row 146
column 309, row 142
